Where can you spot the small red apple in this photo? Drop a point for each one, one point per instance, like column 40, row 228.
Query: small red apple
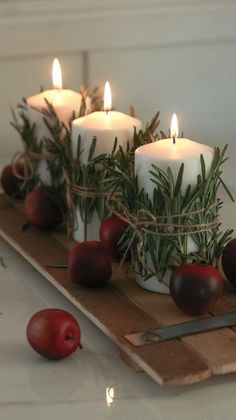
column 195, row 288
column 229, row 261
column 41, row 209
column 89, row 264
column 53, row 333
column 111, row 231
column 11, row 184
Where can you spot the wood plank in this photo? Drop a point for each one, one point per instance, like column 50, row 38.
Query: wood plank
column 106, row 307
column 214, row 347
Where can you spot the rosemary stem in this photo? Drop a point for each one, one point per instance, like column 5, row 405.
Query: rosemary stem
column 85, row 220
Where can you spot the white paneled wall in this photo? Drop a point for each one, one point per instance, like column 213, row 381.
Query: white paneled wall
column 193, row 81
column 167, row 55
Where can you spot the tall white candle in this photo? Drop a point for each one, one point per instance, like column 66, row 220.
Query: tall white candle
column 105, row 126
column 171, row 153
column 64, row 101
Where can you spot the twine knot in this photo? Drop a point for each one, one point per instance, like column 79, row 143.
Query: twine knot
column 145, row 223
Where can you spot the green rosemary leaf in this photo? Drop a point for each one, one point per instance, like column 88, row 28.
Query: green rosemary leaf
column 227, row 190
column 114, row 146
column 224, row 151
column 203, row 167
column 171, row 182
column 179, row 180
column 92, row 149
column 78, row 150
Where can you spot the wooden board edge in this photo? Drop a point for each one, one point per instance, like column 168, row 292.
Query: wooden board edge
column 168, row 382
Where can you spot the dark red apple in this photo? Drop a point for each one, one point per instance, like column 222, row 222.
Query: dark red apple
column 229, row 261
column 89, row 264
column 53, row 333
column 195, row 288
column 41, row 209
column 11, row 184
column 111, row 231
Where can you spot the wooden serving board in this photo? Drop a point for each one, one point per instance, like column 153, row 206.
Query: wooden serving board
column 123, row 307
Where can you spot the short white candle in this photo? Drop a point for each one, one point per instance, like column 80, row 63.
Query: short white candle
column 64, row 101
column 171, row 153
column 105, row 126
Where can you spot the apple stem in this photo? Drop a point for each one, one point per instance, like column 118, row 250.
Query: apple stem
column 80, row 346
column 68, row 337
column 25, row 226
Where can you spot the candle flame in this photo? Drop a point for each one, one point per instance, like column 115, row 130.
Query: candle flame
column 110, row 394
column 56, row 74
column 107, row 97
column 174, row 131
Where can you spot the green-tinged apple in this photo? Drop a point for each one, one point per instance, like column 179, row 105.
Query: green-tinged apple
column 89, row 264
column 195, row 288
column 53, row 333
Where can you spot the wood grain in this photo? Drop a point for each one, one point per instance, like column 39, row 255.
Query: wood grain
column 214, row 347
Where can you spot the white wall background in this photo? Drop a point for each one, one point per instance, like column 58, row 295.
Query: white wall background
column 167, row 55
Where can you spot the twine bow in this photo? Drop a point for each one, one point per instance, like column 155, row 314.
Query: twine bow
column 136, row 222
column 144, row 222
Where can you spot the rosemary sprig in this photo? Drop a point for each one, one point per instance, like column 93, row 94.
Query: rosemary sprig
column 27, row 132
column 93, row 175
column 160, row 253
column 89, row 176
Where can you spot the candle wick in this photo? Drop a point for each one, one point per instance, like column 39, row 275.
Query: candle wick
column 173, row 139
column 107, row 111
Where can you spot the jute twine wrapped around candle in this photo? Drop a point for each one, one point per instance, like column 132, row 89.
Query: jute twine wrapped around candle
column 80, row 191
column 26, row 158
column 145, row 223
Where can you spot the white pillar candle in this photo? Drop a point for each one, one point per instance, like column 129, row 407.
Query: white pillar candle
column 164, row 154
column 64, row 101
column 171, row 153
column 105, row 126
